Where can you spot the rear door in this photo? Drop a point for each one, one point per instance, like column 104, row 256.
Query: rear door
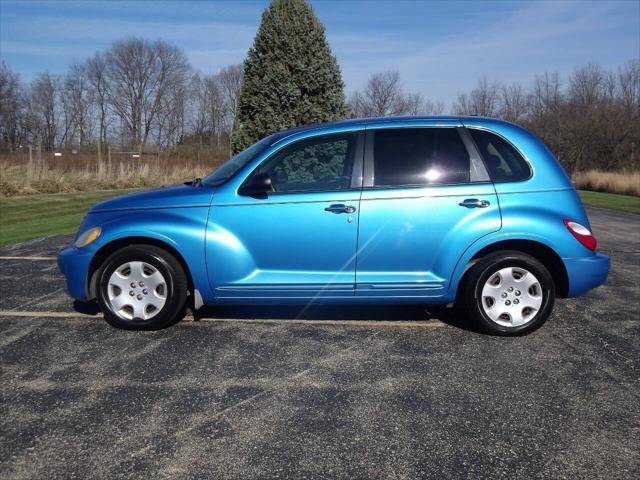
column 427, row 197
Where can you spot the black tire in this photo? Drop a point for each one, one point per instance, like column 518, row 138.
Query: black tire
column 474, row 282
column 176, row 287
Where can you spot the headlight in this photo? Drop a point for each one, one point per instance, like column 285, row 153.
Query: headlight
column 88, row 237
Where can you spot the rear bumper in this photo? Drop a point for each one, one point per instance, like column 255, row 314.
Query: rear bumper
column 586, row 273
column 74, row 265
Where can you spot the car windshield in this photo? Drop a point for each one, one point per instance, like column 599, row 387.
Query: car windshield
column 230, row 168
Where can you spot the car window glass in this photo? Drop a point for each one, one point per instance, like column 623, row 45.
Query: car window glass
column 230, row 168
column 419, row 156
column 323, row 164
column 503, row 161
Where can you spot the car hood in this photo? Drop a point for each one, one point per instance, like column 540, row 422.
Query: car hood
column 175, row 196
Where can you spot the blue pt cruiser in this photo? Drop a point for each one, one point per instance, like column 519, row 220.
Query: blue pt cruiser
column 464, row 210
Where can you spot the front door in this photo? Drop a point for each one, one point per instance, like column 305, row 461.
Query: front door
column 426, row 199
column 298, row 240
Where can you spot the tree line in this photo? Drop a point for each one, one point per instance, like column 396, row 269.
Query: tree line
column 137, row 94
column 590, row 120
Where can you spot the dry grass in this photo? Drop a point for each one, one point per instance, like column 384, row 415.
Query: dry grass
column 624, row 183
column 83, row 172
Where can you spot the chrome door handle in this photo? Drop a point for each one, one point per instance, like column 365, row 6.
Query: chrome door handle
column 474, row 203
column 340, row 208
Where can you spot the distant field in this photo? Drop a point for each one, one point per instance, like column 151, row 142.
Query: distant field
column 33, row 216
column 23, row 218
column 83, row 172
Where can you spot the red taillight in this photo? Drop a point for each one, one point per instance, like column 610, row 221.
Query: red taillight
column 582, row 233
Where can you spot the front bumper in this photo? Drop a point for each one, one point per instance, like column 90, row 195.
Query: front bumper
column 74, row 264
column 586, row 273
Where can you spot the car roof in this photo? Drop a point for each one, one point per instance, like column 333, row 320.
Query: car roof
column 378, row 121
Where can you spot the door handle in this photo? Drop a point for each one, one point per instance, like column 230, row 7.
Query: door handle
column 474, row 203
column 340, row 208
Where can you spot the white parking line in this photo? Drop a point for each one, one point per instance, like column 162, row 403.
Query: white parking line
column 283, row 321
column 11, row 313
column 29, row 258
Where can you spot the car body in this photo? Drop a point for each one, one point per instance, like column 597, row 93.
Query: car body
column 344, row 212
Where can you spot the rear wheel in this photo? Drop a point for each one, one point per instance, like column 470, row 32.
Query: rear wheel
column 509, row 293
column 142, row 287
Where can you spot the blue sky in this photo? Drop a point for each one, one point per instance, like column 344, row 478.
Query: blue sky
column 440, row 48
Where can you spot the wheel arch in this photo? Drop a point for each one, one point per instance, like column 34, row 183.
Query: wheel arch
column 106, row 250
column 541, row 252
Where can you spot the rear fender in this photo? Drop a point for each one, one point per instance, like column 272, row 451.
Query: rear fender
column 542, row 225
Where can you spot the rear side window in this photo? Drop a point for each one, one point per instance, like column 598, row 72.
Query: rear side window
column 504, row 162
column 419, row 156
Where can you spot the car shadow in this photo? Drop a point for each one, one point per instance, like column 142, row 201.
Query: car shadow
column 366, row 312
column 86, row 308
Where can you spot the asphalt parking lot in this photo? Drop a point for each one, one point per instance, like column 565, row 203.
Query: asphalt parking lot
column 331, row 392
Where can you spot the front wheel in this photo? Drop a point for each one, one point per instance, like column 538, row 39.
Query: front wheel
column 509, row 293
column 142, row 287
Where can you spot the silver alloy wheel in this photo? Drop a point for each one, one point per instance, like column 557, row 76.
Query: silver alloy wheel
column 137, row 290
column 512, row 296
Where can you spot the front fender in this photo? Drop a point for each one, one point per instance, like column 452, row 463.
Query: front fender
column 181, row 228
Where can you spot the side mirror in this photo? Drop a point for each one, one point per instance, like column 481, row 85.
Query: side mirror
column 259, row 184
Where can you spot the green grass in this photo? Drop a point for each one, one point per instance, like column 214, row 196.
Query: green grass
column 33, row 216
column 624, row 203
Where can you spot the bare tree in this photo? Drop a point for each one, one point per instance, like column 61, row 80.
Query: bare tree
column 357, row 105
column 383, row 96
column 513, row 102
column 11, row 109
column 172, row 121
column 140, row 75
column 198, row 108
column 212, row 109
column 99, row 90
column 229, row 80
column 43, row 111
column 629, row 85
column 411, row 104
column 546, row 96
column 76, row 105
column 483, row 100
column 433, row 107
column 215, row 107
column 587, row 85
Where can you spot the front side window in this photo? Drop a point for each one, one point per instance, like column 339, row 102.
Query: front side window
column 419, row 156
column 503, row 161
column 317, row 164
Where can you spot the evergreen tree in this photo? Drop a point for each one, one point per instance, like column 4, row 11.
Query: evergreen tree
column 291, row 78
